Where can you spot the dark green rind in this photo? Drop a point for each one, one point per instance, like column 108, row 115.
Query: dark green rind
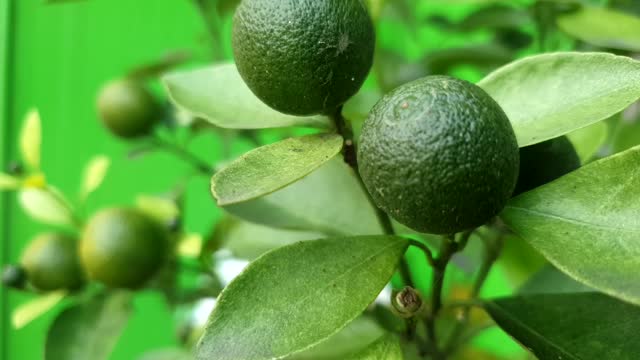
column 439, row 155
column 303, row 57
column 544, row 162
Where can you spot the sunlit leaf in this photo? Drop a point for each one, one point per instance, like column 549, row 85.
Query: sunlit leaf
column 8, row 182
column 45, row 206
column 89, row 330
column 31, row 139
column 549, row 95
column 32, row 309
column 585, row 223
column 190, row 245
column 589, row 140
column 248, row 240
column 387, row 347
column 294, row 297
column 272, row 167
column 358, row 335
column 603, row 27
column 162, row 209
column 330, row 200
column 219, row 95
column 94, row 174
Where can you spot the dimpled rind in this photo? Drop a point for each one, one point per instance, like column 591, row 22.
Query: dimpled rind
column 544, row 162
column 439, row 155
column 303, row 57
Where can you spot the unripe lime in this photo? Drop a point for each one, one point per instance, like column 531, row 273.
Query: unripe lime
column 51, row 262
column 14, row 276
column 544, row 162
column 303, row 57
column 123, row 248
column 439, row 155
column 128, row 109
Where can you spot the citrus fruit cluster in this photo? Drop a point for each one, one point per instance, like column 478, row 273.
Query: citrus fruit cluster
column 119, row 247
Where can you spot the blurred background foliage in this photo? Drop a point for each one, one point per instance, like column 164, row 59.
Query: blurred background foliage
column 55, row 55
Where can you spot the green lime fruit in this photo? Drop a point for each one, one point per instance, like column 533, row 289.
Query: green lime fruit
column 51, row 262
column 128, row 109
column 439, row 155
column 123, row 248
column 303, row 57
column 544, row 162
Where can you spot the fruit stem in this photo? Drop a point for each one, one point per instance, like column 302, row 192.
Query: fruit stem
column 200, row 165
column 493, row 248
column 448, row 248
column 350, row 154
column 211, row 20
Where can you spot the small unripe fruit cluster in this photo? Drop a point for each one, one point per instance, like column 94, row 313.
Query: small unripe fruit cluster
column 120, row 248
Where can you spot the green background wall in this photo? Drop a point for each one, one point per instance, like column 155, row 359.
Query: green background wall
column 55, row 58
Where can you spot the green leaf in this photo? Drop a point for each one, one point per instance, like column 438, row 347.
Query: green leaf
column 89, row 330
column 167, row 354
column 496, row 16
column 585, row 223
column 247, row 240
column 31, row 139
column 330, row 200
column 45, row 206
column 550, row 280
column 294, row 297
column 8, row 182
column 94, row 174
column 603, row 27
column 387, row 348
column 549, row 95
column 32, row 309
column 589, row 140
column 570, row 326
column 272, row 167
column 219, row 95
column 164, row 210
column 356, row 336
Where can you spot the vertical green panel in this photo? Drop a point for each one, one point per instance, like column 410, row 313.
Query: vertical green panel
column 5, row 42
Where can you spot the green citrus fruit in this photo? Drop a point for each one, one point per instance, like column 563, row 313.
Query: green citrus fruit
column 123, row 248
column 51, row 262
column 303, row 57
column 544, row 162
column 439, row 155
column 128, row 109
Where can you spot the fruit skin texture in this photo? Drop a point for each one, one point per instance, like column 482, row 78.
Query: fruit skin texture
column 544, row 162
column 51, row 262
column 303, row 57
column 123, row 248
column 128, row 109
column 439, row 155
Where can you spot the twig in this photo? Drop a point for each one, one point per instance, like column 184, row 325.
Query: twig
column 198, row 164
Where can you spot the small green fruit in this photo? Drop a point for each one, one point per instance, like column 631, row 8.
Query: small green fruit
column 128, row 109
column 544, row 162
column 14, row 276
column 439, row 155
column 123, row 248
column 303, row 57
column 51, row 262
